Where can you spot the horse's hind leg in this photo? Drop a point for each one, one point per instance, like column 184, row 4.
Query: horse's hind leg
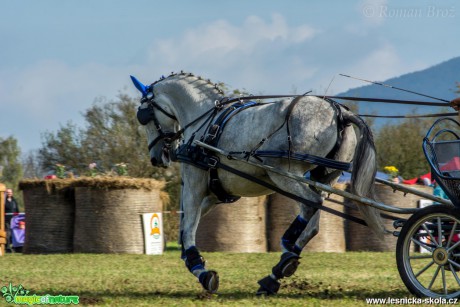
column 304, row 227
column 193, row 198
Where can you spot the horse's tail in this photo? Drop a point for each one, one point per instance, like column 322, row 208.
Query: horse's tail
column 364, row 170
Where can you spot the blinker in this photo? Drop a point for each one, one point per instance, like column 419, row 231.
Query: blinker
column 144, row 116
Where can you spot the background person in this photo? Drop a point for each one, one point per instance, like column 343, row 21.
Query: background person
column 11, row 208
column 439, row 192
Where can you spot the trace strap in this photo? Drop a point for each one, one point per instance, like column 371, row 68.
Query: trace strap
column 287, row 194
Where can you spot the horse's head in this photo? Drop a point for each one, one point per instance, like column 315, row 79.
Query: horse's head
column 156, row 114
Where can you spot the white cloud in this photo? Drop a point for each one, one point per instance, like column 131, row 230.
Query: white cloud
column 222, row 44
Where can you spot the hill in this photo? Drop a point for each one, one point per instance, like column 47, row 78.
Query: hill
column 438, row 81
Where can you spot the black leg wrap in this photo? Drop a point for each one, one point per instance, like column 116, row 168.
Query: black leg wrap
column 286, row 266
column 193, row 259
column 210, row 281
column 293, row 233
column 268, row 286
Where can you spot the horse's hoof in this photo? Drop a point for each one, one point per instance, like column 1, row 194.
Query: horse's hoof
column 287, row 266
column 268, row 286
column 290, row 267
column 210, row 282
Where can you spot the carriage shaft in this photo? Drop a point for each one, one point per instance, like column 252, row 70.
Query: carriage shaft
column 319, row 186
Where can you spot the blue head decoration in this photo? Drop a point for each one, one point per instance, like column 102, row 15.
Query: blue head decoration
column 144, row 89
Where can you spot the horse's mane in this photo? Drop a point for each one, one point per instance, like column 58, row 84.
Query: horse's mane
column 204, row 84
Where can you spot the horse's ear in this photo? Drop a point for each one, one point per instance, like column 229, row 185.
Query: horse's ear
column 141, row 87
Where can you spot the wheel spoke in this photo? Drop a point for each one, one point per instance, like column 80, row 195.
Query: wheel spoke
column 424, row 245
column 439, row 232
column 453, row 246
column 454, row 263
column 425, row 268
column 431, row 235
column 420, row 257
column 443, row 274
column 451, row 234
column 434, row 277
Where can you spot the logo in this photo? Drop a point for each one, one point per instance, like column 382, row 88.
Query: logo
column 155, row 226
column 20, row 296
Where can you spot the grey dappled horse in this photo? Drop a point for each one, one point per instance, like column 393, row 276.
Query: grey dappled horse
column 177, row 109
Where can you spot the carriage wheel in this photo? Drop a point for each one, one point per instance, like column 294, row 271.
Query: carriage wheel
column 428, row 252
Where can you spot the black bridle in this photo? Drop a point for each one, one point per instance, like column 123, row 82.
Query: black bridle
column 146, row 115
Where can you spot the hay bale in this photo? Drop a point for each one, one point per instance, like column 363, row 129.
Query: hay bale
column 50, row 214
column 108, row 214
column 281, row 211
column 236, row 227
column 361, row 238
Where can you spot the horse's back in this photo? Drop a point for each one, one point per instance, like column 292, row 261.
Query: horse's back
column 312, row 127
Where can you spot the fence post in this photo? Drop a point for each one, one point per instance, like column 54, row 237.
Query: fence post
column 2, row 220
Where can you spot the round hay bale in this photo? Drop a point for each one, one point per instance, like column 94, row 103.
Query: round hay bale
column 50, row 215
column 361, row 238
column 108, row 214
column 281, row 211
column 236, row 227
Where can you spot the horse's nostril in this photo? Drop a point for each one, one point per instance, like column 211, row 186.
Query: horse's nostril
column 154, row 161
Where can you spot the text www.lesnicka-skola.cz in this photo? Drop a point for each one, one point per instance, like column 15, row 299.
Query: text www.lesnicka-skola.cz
column 412, row 301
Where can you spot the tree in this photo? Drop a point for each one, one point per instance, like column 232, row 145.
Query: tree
column 9, row 161
column 10, row 165
column 112, row 135
column 31, row 165
column 401, row 146
column 62, row 147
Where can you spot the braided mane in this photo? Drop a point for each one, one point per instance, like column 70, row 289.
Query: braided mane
column 211, row 85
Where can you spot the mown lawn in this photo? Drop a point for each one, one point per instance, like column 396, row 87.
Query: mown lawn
column 323, row 279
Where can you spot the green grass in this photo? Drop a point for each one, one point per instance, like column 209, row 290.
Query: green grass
column 323, row 279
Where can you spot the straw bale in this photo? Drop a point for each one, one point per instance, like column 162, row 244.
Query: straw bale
column 281, row 211
column 100, row 182
column 361, row 238
column 236, row 227
column 49, row 219
column 108, row 220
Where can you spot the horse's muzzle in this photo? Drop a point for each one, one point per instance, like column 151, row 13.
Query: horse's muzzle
column 155, row 163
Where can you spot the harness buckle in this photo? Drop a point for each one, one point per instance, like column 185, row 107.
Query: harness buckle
column 212, row 162
column 211, row 135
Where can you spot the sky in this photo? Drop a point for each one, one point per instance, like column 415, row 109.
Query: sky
column 57, row 58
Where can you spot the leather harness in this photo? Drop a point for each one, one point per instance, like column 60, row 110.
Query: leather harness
column 203, row 159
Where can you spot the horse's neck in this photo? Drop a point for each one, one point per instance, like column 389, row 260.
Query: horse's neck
column 191, row 102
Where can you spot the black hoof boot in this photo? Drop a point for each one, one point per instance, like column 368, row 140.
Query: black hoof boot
column 287, row 265
column 210, row 281
column 268, row 286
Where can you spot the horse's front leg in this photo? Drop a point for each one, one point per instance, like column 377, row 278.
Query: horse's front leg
column 193, row 198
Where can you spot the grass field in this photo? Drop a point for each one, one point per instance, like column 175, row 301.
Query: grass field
column 323, row 279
